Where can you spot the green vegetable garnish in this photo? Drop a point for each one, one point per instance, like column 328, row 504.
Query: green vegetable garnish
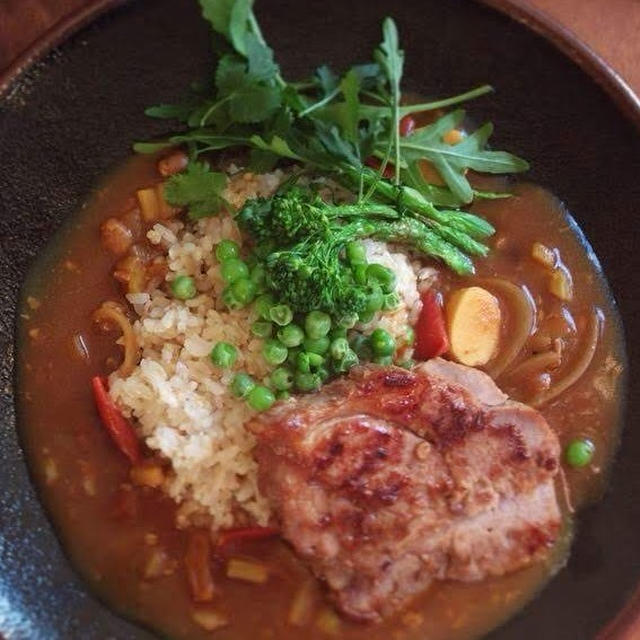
column 241, row 384
column 260, row 398
column 224, row 355
column 197, row 188
column 274, row 352
column 579, row 452
column 183, row 287
column 317, row 324
column 281, row 378
column 291, row 335
column 233, row 269
column 281, row 314
column 382, row 342
column 262, row 329
column 227, row 249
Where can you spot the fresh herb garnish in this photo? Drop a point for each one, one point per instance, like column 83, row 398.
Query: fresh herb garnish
column 197, row 188
column 335, row 125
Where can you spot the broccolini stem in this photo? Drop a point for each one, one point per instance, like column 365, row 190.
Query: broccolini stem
column 420, row 237
column 413, row 200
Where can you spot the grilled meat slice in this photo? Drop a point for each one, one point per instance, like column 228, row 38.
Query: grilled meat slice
column 389, row 479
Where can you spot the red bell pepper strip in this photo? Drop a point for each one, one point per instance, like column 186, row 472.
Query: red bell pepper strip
column 119, row 428
column 245, row 534
column 407, row 125
column 431, row 334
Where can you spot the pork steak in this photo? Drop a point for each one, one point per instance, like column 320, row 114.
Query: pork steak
column 388, row 479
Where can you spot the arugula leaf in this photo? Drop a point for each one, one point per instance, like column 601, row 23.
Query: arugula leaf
column 197, row 188
column 391, row 59
column 350, row 87
column 277, row 145
column 452, row 161
column 327, row 79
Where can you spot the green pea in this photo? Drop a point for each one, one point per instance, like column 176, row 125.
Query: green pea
column 317, row 345
column 579, row 452
column 317, row 324
column 356, row 253
column 337, row 332
column 348, row 321
column 274, row 352
column 383, row 276
column 323, row 372
column 339, row 348
column 375, row 299
column 315, row 360
column 260, row 398
column 391, row 301
column 283, row 395
column 349, row 360
column 302, row 362
column 262, row 329
column 382, row 343
column 281, row 379
column 224, row 355
column 244, row 291
column 233, row 269
column 359, row 273
column 263, row 305
column 386, row 360
column 183, row 288
column 241, row 384
column 258, row 277
column 227, row 249
column 308, row 381
column 291, row 335
column 366, row 317
column 361, row 345
column 281, row 314
column 230, row 300
column 407, row 364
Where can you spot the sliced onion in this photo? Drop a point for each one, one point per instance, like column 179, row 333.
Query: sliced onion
column 522, row 320
column 538, row 363
column 111, row 313
column 586, row 352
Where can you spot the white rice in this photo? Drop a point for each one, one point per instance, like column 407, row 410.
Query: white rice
column 180, row 401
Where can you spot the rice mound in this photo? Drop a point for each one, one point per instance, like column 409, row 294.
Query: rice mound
column 181, row 402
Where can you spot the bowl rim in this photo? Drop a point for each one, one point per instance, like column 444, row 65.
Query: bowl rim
column 626, row 624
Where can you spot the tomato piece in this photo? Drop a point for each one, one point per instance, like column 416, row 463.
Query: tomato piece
column 407, row 125
column 431, row 333
column 374, row 163
column 114, row 422
column 245, row 534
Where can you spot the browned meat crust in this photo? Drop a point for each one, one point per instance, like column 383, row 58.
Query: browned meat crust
column 388, row 479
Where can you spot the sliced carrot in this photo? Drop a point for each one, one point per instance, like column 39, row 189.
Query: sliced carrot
column 431, row 333
column 245, row 534
column 115, row 423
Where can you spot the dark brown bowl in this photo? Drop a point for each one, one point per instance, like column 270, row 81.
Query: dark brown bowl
column 66, row 120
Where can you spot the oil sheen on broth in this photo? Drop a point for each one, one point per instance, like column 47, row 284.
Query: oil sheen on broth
column 80, row 472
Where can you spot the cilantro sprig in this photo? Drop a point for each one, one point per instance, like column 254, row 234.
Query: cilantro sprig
column 335, row 124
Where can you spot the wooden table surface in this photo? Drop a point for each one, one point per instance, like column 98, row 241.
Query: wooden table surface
column 610, row 27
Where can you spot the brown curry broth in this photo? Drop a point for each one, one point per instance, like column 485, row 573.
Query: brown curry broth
column 59, row 423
